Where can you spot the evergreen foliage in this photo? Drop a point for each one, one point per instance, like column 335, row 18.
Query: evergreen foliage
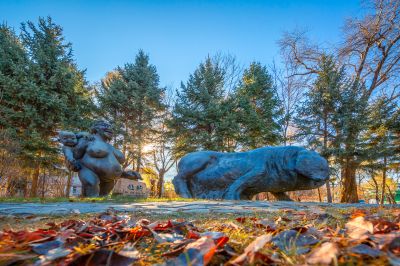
column 315, row 119
column 258, row 107
column 42, row 89
column 131, row 98
column 203, row 118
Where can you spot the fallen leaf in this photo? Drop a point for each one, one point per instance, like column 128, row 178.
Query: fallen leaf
column 359, row 228
column 358, row 213
column 129, row 251
column 250, row 253
column 394, row 246
column 241, row 219
column 177, row 248
column 364, row 249
column 102, row 257
column 292, row 240
column 383, row 227
column 44, row 248
column 198, row 253
column 324, row 254
column 14, row 258
column 384, row 239
column 53, row 254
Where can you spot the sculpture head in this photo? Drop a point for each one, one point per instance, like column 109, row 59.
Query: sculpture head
column 67, row 138
column 102, row 128
column 313, row 166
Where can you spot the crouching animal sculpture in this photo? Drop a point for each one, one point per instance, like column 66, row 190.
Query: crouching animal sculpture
column 233, row 176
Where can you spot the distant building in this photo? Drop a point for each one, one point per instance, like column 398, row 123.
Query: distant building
column 397, row 194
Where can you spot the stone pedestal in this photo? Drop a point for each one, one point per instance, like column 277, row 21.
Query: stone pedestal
column 133, row 188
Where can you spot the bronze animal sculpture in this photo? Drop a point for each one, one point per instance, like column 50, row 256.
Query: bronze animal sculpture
column 241, row 175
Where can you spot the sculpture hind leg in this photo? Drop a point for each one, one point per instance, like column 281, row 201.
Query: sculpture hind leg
column 90, row 182
column 235, row 190
column 106, row 187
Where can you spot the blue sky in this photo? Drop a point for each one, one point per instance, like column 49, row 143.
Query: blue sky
column 178, row 35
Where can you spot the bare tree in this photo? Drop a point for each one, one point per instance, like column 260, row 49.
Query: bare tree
column 372, row 45
column 232, row 70
column 290, row 90
column 161, row 157
column 300, row 54
column 371, row 52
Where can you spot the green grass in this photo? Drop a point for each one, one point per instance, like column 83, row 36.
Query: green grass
column 116, row 199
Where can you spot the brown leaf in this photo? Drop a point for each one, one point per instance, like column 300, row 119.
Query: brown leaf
column 359, row 228
column 394, row 246
column 384, row 239
column 250, row 252
column 358, row 213
column 363, row 249
column 44, row 248
column 13, row 258
column 323, row 254
column 290, row 239
column 383, row 227
column 198, row 253
column 102, row 257
column 241, row 219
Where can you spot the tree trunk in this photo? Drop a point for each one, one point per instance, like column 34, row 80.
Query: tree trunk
column 328, row 191
column 383, row 180
column 10, row 188
column 35, row 179
column 328, row 187
column 140, row 142
column 376, row 188
column 160, row 184
column 319, row 195
column 392, row 196
column 43, row 183
column 69, row 181
column 139, row 158
column 349, row 191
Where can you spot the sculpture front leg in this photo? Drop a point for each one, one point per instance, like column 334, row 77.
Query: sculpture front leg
column 90, row 182
column 181, row 187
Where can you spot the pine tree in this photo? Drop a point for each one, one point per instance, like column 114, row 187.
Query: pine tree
column 350, row 120
column 331, row 118
column 48, row 91
column 131, row 97
column 316, row 114
column 203, row 117
column 14, row 78
column 258, row 108
column 380, row 138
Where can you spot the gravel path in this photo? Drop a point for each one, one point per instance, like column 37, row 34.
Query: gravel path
column 165, row 207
